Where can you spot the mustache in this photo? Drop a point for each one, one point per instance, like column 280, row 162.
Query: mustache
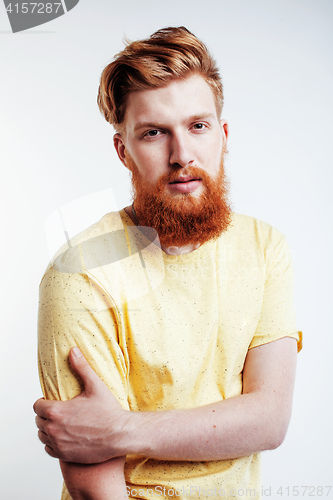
column 192, row 171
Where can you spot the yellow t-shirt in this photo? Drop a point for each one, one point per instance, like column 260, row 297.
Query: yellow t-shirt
column 166, row 332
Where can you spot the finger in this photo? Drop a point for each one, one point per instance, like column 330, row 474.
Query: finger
column 45, row 408
column 44, row 438
column 81, row 366
column 51, row 452
column 41, row 423
column 36, row 404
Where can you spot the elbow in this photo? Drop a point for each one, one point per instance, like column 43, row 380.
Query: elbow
column 276, row 440
column 278, row 434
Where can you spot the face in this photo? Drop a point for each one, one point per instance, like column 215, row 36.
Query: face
column 170, row 129
column 174, row 144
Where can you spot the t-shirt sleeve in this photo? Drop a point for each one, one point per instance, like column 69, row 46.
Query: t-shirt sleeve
column 277, row 318
column 68, row 317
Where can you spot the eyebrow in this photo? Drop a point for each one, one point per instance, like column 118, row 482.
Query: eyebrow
column 202, row 116
column 193, row 118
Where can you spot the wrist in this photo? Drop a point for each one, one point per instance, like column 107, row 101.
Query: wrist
column 138, row 434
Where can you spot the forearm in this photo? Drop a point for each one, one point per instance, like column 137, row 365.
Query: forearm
column 228, row 429
column 254, row 421
column 103, row 481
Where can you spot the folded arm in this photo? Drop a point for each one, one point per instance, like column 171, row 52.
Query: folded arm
column 254, row 421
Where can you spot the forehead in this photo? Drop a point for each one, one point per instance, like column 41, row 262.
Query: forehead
column 179, row 100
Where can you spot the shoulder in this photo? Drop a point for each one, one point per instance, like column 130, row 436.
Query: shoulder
column 248, row 230
column 241, row 223
column 249, row 238
column 81, row 250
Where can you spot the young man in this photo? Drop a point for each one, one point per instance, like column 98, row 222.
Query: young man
column 183, row 310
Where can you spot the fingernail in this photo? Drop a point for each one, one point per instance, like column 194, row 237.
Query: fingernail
column 76, row 352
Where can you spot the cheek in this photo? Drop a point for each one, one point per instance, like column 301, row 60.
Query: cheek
column 216, row 153
column 148, row 167
column 210, row 158
column 153, row 163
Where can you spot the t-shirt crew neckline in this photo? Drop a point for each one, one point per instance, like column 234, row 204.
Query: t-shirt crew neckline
column 175, row 259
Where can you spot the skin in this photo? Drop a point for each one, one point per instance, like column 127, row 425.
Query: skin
column 172, row 127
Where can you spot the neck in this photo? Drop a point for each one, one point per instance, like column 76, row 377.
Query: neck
column 170, row 250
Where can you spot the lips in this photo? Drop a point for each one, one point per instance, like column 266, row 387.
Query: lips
column 186, row 178
column 185, row 184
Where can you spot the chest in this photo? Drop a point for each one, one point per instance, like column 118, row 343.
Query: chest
column 192, row 332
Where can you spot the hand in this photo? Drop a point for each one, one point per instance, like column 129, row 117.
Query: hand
column 88, row 428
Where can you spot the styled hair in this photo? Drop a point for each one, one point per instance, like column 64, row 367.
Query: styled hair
column 168, row 54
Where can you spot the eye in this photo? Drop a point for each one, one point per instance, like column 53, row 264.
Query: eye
column 152, row 133
column 199, row 126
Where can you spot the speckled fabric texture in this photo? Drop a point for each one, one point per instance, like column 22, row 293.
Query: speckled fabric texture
column 166, row 331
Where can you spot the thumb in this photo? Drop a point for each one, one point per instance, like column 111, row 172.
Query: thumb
column 81, row 366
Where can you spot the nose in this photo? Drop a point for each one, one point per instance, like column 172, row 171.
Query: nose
column 180, row 151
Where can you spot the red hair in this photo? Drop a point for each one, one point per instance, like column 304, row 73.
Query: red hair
column 168, row 54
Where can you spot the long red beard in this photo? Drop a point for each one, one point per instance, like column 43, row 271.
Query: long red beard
column 182, row 219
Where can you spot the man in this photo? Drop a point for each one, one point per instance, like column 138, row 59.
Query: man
column 183, row 310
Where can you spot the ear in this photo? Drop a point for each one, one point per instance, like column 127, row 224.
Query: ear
column 225, row 129
column 119, row 145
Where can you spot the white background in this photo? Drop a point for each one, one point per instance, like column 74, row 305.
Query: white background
column 275, row 57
